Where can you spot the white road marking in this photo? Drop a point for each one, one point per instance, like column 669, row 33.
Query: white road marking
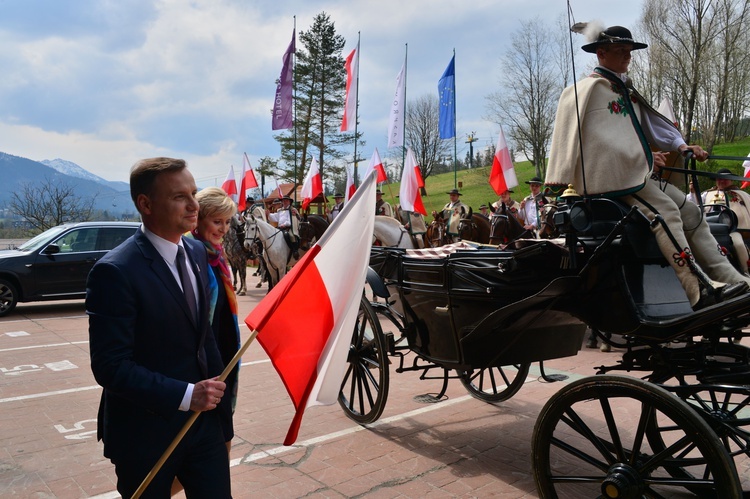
column 14, row 334
column 48, row 394
column 50, row 345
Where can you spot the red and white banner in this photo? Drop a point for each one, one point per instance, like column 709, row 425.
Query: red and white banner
column 398, row 107
column 350, row 187
column 746, row 166
column 377, row 166
column 349, row 121
column 306, row 321
column 313, row 184
column 503, row 175
column 409, row 196
column 247, row 181
column 230, row 184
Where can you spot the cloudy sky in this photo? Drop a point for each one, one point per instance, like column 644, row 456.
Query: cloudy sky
column 104, row 83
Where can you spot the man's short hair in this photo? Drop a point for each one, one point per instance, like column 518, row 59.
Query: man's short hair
column 144, row 173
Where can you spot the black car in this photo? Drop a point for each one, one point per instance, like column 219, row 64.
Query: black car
column 54, row 265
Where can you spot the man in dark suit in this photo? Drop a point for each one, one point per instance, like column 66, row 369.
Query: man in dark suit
column 151, row 344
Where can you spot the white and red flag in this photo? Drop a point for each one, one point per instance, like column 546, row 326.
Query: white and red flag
column 409, row 195
column 377, row 166
column 666, row 109
column 306, row 321
column 503, row 174
column 230, row 184
column 312, row 186
column 247, row 181
column 746, row 166
column 349, row 121
column 398, row 108
column 350, row 187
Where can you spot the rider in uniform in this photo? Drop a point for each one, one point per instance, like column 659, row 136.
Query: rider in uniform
column 287, row 220
column 619, row 133
column 532, row 204
column 382, row 207
column 512, row 207
column 337, row 207
column 453, row 211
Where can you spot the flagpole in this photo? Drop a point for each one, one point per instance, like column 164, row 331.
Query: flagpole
column 294, row 106
column 190, row 421
column 455, row 131
column 356, row 110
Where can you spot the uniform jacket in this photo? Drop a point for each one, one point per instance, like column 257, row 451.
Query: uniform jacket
column 617, row 158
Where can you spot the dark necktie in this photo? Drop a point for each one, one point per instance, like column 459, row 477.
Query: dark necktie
column 187, row 286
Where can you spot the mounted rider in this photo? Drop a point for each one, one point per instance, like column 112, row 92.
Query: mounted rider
column 382, row 207
column 287, row 219
column 532, row 204
column 453, row 211
column 254, row 209
column 619, row 133
column 512, row 207
column 337, row 207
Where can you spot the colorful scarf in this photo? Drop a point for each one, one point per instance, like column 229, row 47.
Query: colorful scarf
column 216, row 259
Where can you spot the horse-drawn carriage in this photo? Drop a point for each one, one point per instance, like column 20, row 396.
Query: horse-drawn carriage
column 483, row 315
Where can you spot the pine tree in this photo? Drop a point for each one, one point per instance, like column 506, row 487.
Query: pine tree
column 320, row 87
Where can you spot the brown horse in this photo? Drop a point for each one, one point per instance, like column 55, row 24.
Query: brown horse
column 505, row 228
column 476, row 228
column 547, row 228
column 310, row 229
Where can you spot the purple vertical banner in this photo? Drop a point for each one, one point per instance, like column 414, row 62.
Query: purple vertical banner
column 283, row 118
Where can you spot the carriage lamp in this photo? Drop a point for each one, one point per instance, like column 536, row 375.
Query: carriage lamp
column 724, row 216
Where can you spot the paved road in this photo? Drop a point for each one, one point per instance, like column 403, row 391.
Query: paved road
column 460, row 447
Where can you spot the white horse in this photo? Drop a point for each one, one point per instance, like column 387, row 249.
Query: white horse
column 276, row 252
column 390, row 232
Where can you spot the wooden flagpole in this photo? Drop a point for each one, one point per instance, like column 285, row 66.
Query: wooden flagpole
column 190, row 421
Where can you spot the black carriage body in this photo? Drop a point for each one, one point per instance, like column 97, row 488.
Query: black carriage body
column 454, row 306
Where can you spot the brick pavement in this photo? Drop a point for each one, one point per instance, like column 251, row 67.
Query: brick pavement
column 461, row 447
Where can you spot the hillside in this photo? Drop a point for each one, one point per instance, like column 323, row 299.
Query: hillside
column 475, row 188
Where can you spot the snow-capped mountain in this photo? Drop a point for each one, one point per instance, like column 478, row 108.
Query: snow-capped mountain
column 73, row 170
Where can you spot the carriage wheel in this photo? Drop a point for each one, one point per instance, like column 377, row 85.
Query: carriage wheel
column 591, row 440
column 725, row 409
column 365, row 386
column 495, row 384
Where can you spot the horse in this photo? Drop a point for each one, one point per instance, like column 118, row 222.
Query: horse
column 390, row 232
column 475, row 228
column 405, row 218
column 236, row 255
column 276, row 254
column 547, row 228
column 505, row 228
column 311, row 228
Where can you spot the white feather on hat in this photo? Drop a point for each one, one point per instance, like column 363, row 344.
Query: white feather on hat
column 592, row 30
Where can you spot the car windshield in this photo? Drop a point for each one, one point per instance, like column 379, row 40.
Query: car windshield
column 42, row 239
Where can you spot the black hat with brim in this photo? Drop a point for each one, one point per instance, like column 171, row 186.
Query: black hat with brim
column 724, row 171
column 454, row 191
column 535, row 180
column 338, row 195
column 611, row 36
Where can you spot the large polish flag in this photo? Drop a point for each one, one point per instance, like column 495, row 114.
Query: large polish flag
column 376, row 165
column 306, row 321
column 312, row 186
column 230, row 184
column 349, row 121
column 503, row 175
column 350, row 187
column 247, row 181
column 409, row 195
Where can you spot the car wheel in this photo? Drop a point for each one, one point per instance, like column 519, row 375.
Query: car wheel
column 8, row 297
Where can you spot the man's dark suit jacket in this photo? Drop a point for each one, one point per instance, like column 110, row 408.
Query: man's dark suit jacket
column 145, row 347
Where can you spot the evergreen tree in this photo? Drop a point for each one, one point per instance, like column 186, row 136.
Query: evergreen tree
column 320, row 87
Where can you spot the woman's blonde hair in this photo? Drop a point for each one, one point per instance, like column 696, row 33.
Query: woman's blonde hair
column 213, row 201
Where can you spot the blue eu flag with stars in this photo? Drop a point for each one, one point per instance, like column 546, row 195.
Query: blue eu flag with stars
column 447, row 93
